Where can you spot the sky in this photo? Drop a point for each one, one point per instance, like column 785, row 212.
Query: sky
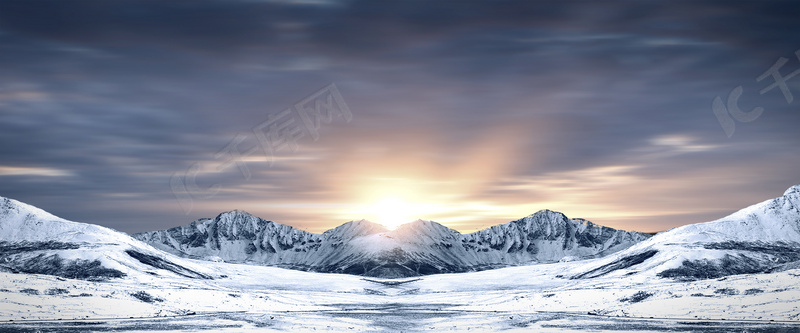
column 468, row 113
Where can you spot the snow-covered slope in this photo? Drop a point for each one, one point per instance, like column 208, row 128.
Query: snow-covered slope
column 365, row 248
column 761, row 238
column 34, row 241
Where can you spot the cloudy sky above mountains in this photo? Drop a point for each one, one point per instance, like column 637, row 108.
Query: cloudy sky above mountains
column 467, row 113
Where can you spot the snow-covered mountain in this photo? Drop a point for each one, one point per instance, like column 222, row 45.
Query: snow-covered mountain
column 764, row 237
column 49, row 269
column 37, row 242
column 761, row 238
column 365, row 248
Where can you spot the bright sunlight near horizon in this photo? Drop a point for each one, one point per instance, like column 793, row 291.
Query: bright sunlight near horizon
column 392, row 212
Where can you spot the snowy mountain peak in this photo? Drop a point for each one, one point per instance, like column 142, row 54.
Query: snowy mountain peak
column 423, row 227
column 547, row 215
column 23, row 222
column 792, row 191
column 242, row 219
column 236, row 213
column 11, row 207
column 356, row 228
column 793, row 195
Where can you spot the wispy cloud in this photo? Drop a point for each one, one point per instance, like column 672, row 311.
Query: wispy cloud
column 33, row 171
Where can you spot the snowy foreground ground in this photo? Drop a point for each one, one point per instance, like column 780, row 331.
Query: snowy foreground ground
column 526, row 298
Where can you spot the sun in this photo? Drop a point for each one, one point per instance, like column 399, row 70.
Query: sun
column 392, row 212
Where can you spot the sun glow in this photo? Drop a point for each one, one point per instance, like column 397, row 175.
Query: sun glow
column 392, row 212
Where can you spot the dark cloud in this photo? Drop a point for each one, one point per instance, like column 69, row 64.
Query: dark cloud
column 101, row 102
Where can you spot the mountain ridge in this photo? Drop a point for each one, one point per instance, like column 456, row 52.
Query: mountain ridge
column 366, row 248
column 763, row 237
